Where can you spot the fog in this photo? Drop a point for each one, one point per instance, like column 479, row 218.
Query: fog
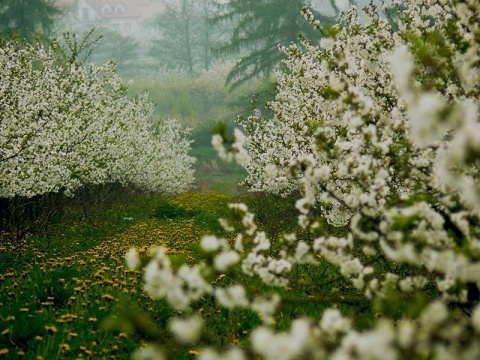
column 148, row 37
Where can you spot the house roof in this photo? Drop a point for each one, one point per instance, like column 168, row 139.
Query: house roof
column 130, row 10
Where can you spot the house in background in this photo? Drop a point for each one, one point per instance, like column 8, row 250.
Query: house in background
column 127, row 17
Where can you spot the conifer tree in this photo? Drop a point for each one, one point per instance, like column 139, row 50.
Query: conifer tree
column 184, row 38
column 176, row 27
column 28, row 19
column 259, row 27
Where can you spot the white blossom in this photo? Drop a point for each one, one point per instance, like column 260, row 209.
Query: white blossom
column 132, row 259
column 186, row 331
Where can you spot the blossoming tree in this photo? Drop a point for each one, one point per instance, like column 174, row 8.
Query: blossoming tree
column 64, row 125
column 377, row 127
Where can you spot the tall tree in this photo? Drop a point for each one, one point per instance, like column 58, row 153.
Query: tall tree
column 28, row 19
column 185, row 36
column 111, row 45
column 206, row 36
column 259, row 27
column 176, row 29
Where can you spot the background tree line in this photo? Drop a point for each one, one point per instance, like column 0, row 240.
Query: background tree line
column 189, row 35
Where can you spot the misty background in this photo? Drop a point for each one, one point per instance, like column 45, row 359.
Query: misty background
column 201, row 61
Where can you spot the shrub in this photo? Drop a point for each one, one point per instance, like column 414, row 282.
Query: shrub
column 64, row 125
column 166, row 210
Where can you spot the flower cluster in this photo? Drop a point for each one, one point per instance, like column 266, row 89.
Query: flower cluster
column 63, row 125
column 377, row 128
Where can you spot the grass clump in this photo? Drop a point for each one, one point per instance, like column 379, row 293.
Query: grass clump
column 169, row 211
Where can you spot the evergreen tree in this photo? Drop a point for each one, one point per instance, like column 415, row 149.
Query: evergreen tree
column 111, row 45
column 176, row 28
column 27, row 19
column 184, row 37
column 259, row 27
column 206, row 34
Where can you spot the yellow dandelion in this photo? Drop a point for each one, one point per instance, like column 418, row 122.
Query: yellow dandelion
column 194, row 352
column 51, row 329
column 24, row 309
column 11, row 318
column 5, row 332
column 20, row 353
column 3, row 351
column 92, row 319
column 65, row 347
column 73, row 334
column 123, row 335
column 109, row 297
column 38, row 338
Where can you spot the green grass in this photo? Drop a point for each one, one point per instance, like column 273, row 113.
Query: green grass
column 215, row 175
column 77, row 300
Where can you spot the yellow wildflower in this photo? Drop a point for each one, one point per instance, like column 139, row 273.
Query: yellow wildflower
column 51, row 329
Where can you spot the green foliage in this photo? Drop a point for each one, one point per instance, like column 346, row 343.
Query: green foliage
column 169, row 211
column 214, row 174
column 183, row 37
column 101, row 45
column 275, row 214
column 48, row 286
column 166, row 210
column 79, row 49
column 28, row 19
column 399, row 305
column 198, row 102
column 258, row 29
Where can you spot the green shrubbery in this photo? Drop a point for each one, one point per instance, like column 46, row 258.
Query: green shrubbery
column 198, row 102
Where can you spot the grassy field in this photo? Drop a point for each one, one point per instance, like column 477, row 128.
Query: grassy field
column 215, row 175
column 75, row 298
